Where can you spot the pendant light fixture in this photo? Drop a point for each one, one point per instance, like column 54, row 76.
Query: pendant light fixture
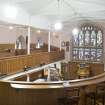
column 58, row 25
column 10, row 11
column 75, row 31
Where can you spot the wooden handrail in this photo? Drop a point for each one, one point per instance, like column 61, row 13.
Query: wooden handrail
column 30, row 71
column 25, row 55
column 58, row 84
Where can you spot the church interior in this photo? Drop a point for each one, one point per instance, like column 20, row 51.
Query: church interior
column 52, row 52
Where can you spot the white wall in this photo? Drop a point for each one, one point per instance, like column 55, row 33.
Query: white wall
column 56, row 41
column 40, row 22
column 35, row 36
column 10, row 36
column 7, row 36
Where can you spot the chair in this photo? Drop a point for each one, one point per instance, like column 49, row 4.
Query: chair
column 97, row 96
column 71, row 97
column 100, row 93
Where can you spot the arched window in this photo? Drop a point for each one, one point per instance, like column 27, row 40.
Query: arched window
column 88, row 44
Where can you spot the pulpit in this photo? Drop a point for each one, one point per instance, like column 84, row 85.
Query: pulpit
column 83, row 70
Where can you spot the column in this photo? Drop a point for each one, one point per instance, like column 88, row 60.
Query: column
column 48, row 77
column 60, row 43
column 28, row 44
column 49, row 41
column 28, row 77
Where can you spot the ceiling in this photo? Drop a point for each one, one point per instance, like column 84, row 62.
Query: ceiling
column 69, row 10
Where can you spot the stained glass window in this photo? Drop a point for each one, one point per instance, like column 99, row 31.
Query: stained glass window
column 88, row 44
column 75, row 40
column 87, row 38
column 81, row 39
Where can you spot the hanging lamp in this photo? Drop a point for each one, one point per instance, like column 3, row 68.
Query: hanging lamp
column 58, row 25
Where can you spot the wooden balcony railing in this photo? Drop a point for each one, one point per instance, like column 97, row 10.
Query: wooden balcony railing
column 17, row 63
column 59, row 84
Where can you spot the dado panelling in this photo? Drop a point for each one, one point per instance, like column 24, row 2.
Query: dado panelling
column 17, row 63
column 95, row 69
column 11, row 96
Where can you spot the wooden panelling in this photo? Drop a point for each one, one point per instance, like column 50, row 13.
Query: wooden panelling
column 33, row 76
column 10, row 96
column 47, row 96
column 17, row 63
column 21, row 78
column 73, row 70
column 7, row 46
column 95, row 69
column 6, row 50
